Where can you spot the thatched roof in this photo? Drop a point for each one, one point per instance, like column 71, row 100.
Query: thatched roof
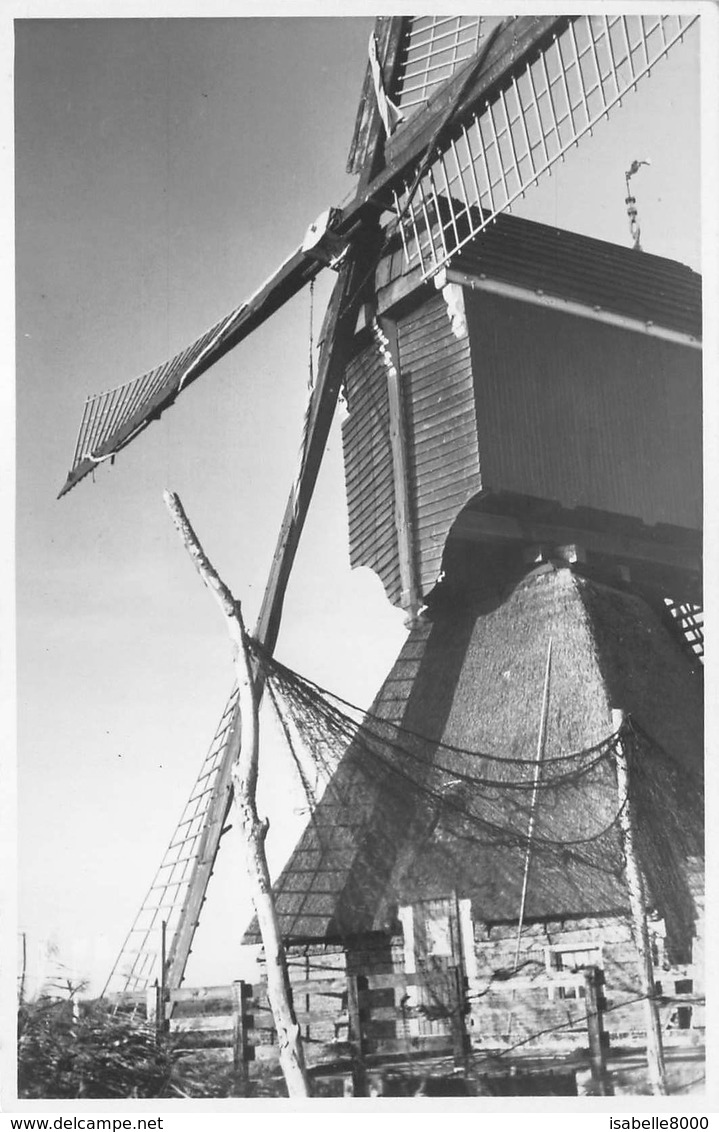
column 472, row 677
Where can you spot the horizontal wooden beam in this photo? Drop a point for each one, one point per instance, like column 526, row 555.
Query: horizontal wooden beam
column 482, row 526
column 204, row 1023
column 222, row 993
column 569, row 306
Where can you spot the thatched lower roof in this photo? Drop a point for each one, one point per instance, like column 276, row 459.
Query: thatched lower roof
column 472, row 677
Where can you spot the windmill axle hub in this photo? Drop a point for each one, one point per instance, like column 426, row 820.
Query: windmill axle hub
column 322, row 242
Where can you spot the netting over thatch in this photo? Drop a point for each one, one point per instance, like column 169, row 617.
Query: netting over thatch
column 439, row 789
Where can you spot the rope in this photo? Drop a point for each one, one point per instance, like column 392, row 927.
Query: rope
column 390, row 790
column 287, row 678
column 327, row 726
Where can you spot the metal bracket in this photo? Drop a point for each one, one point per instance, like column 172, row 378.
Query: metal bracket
column 323, row 243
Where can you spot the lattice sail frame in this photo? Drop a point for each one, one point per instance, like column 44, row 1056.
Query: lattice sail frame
column 508, row 143
column 113, row 418
column 689, row 619
column 105, row 414
column 137, row 966
column 432, row 49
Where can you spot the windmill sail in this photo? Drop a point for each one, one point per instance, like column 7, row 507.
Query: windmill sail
column 112, row 419
column 505, row 142
column 505, row 100
column 137, row 965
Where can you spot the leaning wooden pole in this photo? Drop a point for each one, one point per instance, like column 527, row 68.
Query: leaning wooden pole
column 254, row 829
column 640, row 929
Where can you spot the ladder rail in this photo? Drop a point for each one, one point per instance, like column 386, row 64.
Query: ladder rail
column 136, row 963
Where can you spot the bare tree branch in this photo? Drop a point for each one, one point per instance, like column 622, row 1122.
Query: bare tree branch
column 254, row 830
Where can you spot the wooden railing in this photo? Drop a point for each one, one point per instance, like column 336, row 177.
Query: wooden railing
column 352, row 1018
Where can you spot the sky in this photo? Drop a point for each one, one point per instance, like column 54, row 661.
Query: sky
column 164, row 167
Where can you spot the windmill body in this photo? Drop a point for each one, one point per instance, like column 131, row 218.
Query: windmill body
column 522, row 449
column 523, row 463
column 522, row 454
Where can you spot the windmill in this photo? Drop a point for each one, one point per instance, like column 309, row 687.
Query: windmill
column 489, row 106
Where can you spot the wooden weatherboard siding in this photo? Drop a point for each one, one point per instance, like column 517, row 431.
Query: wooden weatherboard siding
column 368, row 470
column 436, row 370
column 586, row 414
column 435, row 376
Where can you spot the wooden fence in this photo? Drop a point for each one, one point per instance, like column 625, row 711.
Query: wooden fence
column 354, row 1018
column 351, row 1023
column 357, row 1022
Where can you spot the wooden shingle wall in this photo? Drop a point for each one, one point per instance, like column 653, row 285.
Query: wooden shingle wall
column 436, row 373
column 441, row 436
column 368, row 470
column 586, row 414
column 536, row 1004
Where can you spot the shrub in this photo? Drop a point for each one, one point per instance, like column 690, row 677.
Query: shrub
column 70, row 1050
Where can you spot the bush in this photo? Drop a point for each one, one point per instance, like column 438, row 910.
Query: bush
column 69, row 1050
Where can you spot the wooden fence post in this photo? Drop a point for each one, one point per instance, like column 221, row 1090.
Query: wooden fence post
column 163, row 1013
column 595, row 1029
column 239, row 1037
column 459, row 1034
column 156, row 1009
column 151, row 1004
column 356, row 1038
column 640, row 929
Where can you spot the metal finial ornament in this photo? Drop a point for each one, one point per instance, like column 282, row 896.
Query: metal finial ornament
column 631, row 204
